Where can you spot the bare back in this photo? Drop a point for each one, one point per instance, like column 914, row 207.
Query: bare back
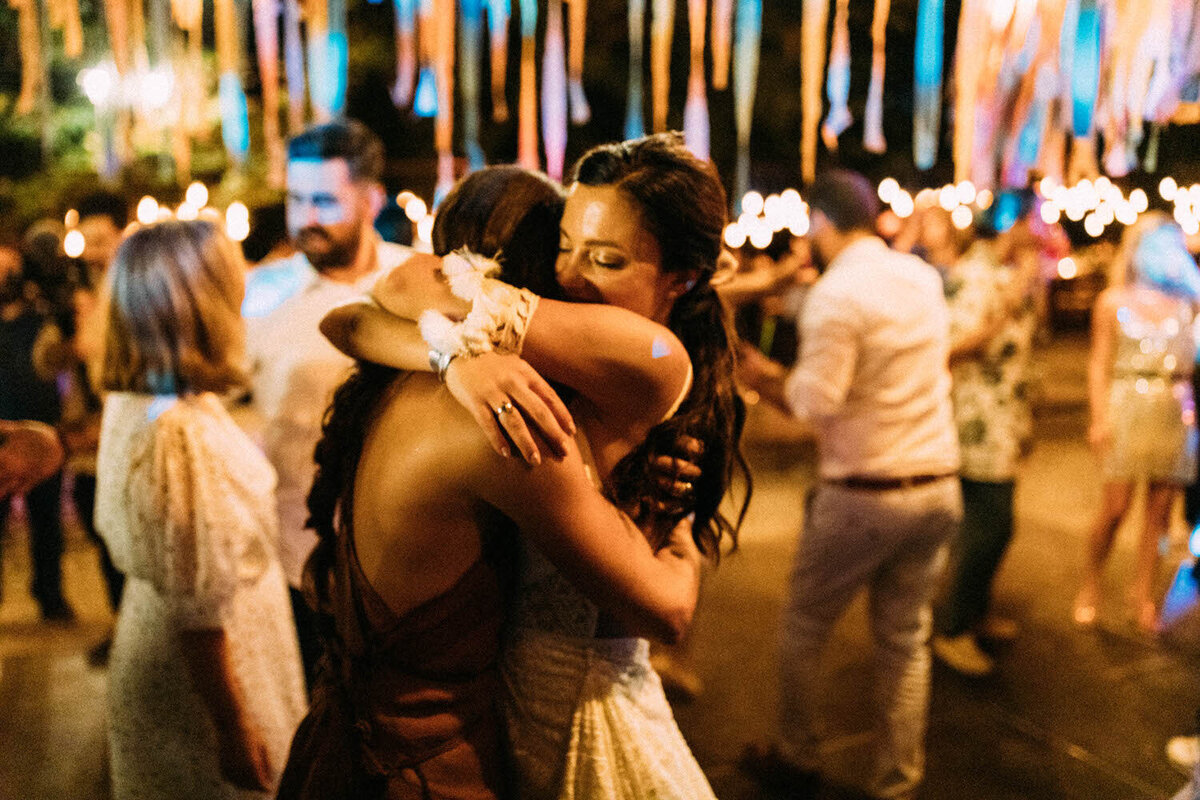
column 417, row 526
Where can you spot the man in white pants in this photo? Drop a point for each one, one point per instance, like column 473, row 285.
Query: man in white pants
column 334, row 195
column 872, row 380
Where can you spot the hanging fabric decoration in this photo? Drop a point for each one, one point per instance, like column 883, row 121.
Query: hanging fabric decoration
column 266, row 39
column 1085, row 68
column 64, row 16
column 837, row 79
column 581, row 112
column 873, row 140
column 405, row 12
column 812, row 67
column 235, row 120
column 443, row 126
column 189, row 83
column 968, row 58
column 527, row 124
column 116, row 21
column 468, row 55
column 1123, row 96
column 316, row 17
column 554, row 91
column 498, row 14
column 472, row 30
column 1153, row 80
column 927, row 77
column 29, row 32
column 635, row 126
column 426, row 102
column 747, row 37
column 338, row 58
column 293, row 61
column 662, row 31
column 722, row 33
column 695, row 110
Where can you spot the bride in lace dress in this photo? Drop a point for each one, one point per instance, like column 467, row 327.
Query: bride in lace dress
column 587, row 716
column 205, row 687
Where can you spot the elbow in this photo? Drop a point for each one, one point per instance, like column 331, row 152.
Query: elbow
column 339, row 327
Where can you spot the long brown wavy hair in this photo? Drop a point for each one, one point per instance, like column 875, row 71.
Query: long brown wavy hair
column 682, row 205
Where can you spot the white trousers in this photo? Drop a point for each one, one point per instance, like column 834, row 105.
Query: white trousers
column 893, row 543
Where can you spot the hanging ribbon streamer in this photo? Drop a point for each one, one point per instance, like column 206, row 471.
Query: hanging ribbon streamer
column 747, row 37
column 812, row 67
column 189, row 83
column 662, row 30
column 29, row 32
column 317, row 41
column 116, row 20
column 968, row 58
column 498, row 14
column 443, row 126
column 927, row 77
column 406, row 52
column 635, row 126
column 1153, row 81
column 1119, row 58
column 581, row 112
column 266, row 39
column 722, row 33
column 425, row 104
column 837, row 79
column 338, row 58
column 468, row 56
column 695, row 110
column 235, row 119
column 1085, row 69
column 293, row 63
column 554, row 91
column 64, row 16
column 873, row 140
column 527, row 125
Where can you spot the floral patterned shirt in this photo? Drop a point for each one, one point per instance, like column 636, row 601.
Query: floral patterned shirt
column 991, row 388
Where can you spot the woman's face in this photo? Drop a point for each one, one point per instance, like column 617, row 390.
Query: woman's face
column 606, row 256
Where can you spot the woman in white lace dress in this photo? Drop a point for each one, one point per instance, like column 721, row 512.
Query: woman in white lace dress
column 205, row 687
column 587, row 716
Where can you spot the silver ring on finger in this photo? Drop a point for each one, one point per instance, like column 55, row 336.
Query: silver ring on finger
column 505, row 408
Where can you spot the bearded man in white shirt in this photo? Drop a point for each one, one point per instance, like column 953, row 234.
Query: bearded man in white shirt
column 872, row 380
column 334, row 195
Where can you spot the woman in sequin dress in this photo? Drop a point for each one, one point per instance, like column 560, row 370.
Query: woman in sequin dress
column 1143, row 418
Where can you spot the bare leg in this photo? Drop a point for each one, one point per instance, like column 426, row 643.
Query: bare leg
column 1159, row 499
column 1116, row 500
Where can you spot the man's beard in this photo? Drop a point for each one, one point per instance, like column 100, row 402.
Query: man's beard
column 335, row 254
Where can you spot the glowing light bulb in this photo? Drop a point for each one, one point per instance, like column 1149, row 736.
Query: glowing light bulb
column 948, row 197
column 147, row 210
column 1093, row 225
column 1046, row 186
column 1167, row 188
column 1050, row 213
column 187, row 212
column 984, row 199
column 761, row 236
column 965, row 192
column 196, row 195
column 71, row 219
column 962, row 217
column 237, row 221
column 903, row 205
column 73, row 243
column 1139, row 201
column 752, row 203
column 425, row 229
column 1067, row 268
column 888, row 187
column 415, row 209
column 735, row 236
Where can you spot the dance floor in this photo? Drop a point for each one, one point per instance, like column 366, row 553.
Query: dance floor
column 1068, row 714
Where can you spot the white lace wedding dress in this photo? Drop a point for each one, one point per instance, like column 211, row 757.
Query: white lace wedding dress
column 185, row 503
column 587, row 717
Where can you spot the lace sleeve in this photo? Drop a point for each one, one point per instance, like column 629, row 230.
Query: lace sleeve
column 179, row 542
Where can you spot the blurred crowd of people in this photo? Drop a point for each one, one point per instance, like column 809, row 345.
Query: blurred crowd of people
column 300, row 482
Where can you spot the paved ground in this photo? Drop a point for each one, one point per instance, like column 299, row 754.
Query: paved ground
column 1069, row 714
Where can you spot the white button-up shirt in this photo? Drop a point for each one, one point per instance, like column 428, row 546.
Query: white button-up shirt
column 872, row 375
column 294, row 373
